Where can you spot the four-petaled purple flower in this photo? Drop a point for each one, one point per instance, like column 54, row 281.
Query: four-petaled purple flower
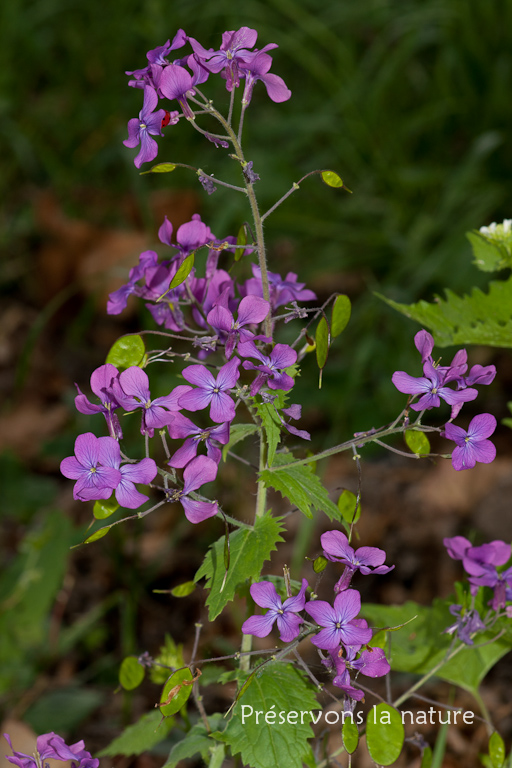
column 50, row 746
column 271, row 373
column 143, row 471
column 365, row 559
column 251, row 311
column 131, row 390
column 468, row 623
column 432, row 387
column 181, row 427
column 92, row 467
column 101, row 385
column 338, row 621
column 285, row 614
column 149, row 123
column 473, row 445
column 211, row 391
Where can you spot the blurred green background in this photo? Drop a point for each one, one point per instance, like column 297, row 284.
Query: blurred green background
column 408, row 100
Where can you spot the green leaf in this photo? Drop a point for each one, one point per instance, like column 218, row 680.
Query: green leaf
column 478, row 318
column 331, row 179
column 160, row 168
column 350, row 736
column 347, row 506
column 417, row 442
column 98, row 534
column 237, row 433
column 140, row 737
column 280, row 738
column 272, row 427
column 426, row 758
column 322, row 340
column 496, row 750
column 423, row 643
column 300, row 486
column 341, row 310
column 104, row 508
column 127, row 351
column 196, row 741
column 183, row 272
column 250, row 547
column 131, row 673
column 241, row 242
column 384, row 734
column 177, row 689
column 489, row 256
column 320, row 564
column 183, row 590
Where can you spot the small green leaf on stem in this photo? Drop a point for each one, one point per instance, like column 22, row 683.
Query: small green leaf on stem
column 332, row 179
column 347, row 503
column 417, row 442
column 176, row 692
column 384, row 734
column 160, row 168
column 241, row 242
column 127, row 351
column 104, row 508
column 319, row 564
column 131, row 673
column 341, row 310
column 496, row 750
column 98, row 534
column 350, row 736
column 183, row 590
column 323, row 340
column 183, row 271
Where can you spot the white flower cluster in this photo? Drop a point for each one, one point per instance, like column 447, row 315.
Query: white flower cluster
column 498, row 231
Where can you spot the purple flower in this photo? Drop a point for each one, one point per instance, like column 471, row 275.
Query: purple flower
column 132, row 391
column 50, row 746
column 142, row 471
column 432, row 387
column 149, row 123
column 101, row 385
column 118, row 299
column 211, row 391
column 176, row 82
column 371, row 662
column 181, row 427
column 92, row 467
column 472, row 446
column 281, row 291
column 201, row 470
column 365, row 559
column 234, row 49
column 468, row 623
column 338, row 621
column 257, row 68
column 288, row 622
column 251, row 311
column 271, row 372
column 189, row 237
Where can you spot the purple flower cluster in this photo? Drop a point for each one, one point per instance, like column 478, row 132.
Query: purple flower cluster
column 471, row 445
column 484, row 566
column 176, row 81
column 52, row 747
column 344, row 636
column 227, row 317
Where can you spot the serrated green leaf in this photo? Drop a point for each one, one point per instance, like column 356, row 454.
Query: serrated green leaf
column 250, row 547
column 478, row 318
column 237, row 433
column 331, row 179
column 300, row 486
column 98, row 534
column 140, row 737
column 384, row 734
column 272, row 427
column 196, row 742
column 160, row 168
column 183, row 271
column 322, row 340
column 131, row 673
column 177, row 689
column 417, row 442
column 350, row 736
column 341, row 310
column 347, row 503
column 496, row 750
column 422, row 644
column 183, row 590
column 104, row 508
column 280, row 689
column 127, row 351
column 489, row 256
